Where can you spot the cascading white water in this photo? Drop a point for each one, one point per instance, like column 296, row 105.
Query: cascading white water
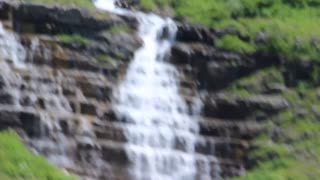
column 10, row 49
column 148, row 101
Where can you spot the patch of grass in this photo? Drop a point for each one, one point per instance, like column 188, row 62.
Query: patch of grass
column 298, row 159
column 257, row 83
column 152, row 5
column 79, row 3
column 18, row 163
column 119, row 29
column 69, row 39
column 283, row 169
column 106, row 59
column 233, row 43
column 148, row 5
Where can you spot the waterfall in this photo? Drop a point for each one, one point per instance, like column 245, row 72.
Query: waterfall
column 160, row 131
column 11, row 50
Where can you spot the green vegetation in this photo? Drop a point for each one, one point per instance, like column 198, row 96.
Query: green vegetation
column 233, row 43
column 287, row 168
column 121, row 28
column 258, row 83
column 281, row 161
column 294, row 154
column 80, row 3
column 290, row 26
column 106, row 59
column 18, row 163
column 69, row 39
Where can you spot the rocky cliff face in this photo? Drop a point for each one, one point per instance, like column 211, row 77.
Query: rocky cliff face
column 57, row 95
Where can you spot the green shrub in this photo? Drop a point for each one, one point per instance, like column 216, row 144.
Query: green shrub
column 18, row 163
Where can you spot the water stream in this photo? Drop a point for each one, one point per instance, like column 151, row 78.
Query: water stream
column 160, row 131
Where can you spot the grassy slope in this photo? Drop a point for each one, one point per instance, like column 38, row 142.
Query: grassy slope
column 18, row 163
column 291, row 25
column 292, row 32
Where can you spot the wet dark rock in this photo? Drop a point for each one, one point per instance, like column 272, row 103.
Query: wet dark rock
column 128, row 4
column 6, row 98
column 89, row 109
column 9, row 119
column 2, row 82
column 181, row 53
column 5, row 8
column 31, row 124
column 64, row 126
column 115, row 155
column 26, row 101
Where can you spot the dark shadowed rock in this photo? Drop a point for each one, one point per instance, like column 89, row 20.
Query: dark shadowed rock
column 55, row 19
column 9, row 119
column 181, row 53
column 234, row 107
column 6, row 98
column 193, row 33
column 192, row 53
column 2, row 82
column 31, row 124
column 5, row 8
column 128, row 4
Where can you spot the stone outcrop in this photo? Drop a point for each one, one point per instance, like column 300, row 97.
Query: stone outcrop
column 196, row 33
column 214, row 67
column 220, row 105
column 39, row 18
